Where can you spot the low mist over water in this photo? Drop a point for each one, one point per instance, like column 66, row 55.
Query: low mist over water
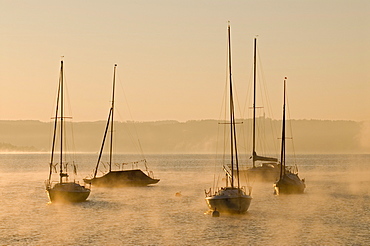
column 334, row 209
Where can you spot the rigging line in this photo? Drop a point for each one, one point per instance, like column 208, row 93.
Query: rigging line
column 266, row 101
column 216, row 157
column 126, row 129
column 225, row 132
column 103, row 142
column 67, row 104
column 129, row 126
column 239, row 133
column 69, row 143
column 73, row 144
column 55, row 125
column 233, row 140
column 221, row 129
column 264, row 84
column 223, row 111
column 246, row 112
column 112, row 116
column 132, row 133
column 217, row 152
column 249, row 94
column 137, row 145
column 291, row 131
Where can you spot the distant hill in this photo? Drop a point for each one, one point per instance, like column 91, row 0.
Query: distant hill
column 200, row 136
column 6, row 147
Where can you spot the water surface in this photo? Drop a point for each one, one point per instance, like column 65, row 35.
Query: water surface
column 334, row 210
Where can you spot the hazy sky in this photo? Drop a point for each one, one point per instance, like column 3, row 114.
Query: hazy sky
column 171, row 56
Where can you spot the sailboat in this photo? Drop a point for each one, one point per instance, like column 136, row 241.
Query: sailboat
column 64, row 190
column 289, row 182
column 233, row 198
column 264, row 169
column 114, row 178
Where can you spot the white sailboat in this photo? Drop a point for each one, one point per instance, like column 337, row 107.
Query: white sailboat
column 231, row 198
column 114, row 178
column 62, row 190
column 289, row 181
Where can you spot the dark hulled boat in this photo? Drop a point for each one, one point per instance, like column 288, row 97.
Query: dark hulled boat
column 133, row 177
column 289, row 181
column 265, row 169
column 68, row 192
column 116, row 178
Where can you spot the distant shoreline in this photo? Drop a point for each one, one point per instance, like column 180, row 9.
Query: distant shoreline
column 194, row 136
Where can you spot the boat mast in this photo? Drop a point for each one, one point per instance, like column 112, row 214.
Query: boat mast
column 112, row 121
column 61, row 122
column 102, row 145
column 282, row 166
column 231, row 108
column 254, row 101
column 55, row 125
column 233, row 145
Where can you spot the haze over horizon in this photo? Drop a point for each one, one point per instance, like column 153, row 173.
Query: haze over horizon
column 171, row 57
column 205, row 136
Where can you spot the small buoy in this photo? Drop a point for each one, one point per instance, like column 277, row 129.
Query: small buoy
column 215, row 213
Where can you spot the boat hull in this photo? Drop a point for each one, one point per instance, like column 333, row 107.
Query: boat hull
column 68, row 192
column 229, row 202
column 134, row 177
column 262, row 173
column 266, row 172
column 289, row 184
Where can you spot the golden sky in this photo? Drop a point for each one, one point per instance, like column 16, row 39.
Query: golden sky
column 171, row 56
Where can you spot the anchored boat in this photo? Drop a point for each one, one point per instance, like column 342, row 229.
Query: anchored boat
column 114, row 178
column 289, row 181
column 62, row 190
column 265, row 169
column 231, row 198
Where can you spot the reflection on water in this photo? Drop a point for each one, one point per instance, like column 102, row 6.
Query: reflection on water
column 334, row 210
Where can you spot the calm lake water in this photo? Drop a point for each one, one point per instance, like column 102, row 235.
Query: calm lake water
column 335, row 210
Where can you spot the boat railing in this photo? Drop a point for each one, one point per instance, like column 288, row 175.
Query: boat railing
column 249, row 191
column 291, row 169
column 215, row 192
column 227, row 171
column 209, row 192
column 151, row 174
column 134, row 164
column 47, row 184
